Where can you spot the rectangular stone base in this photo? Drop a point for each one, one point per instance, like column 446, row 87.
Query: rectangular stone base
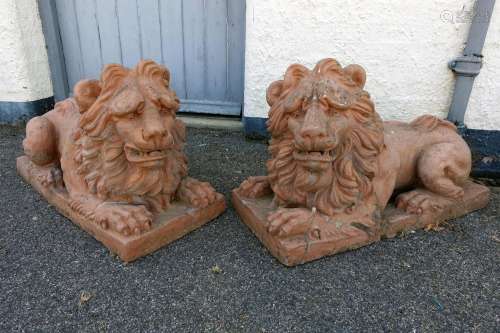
column 295, row 251
column 168, row 226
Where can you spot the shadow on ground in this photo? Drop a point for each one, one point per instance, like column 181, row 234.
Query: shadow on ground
column 55, row 277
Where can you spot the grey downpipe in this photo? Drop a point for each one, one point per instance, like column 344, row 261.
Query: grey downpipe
column 468, row 66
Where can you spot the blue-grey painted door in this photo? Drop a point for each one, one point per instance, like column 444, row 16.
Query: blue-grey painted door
column 201, row 42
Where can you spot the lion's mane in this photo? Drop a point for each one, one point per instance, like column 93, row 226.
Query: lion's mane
column 100, row 154
column 355, row 162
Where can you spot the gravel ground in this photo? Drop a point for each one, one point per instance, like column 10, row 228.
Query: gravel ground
column 55, row 277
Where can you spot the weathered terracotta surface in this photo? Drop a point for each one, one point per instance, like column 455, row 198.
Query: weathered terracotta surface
column 111, row 159
column 301, row 248
column 335, row 165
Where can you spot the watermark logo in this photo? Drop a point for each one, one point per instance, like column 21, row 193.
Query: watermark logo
column 464, row 15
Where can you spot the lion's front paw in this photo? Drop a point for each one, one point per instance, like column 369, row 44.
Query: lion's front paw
column 196, row 193
column 124, row 218
column 254, row 187
column 418, row 202
column 54, row 177
column 286, row 222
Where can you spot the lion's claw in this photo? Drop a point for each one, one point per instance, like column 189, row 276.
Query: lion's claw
column 254, row 187
column 196, row 193
column 54, row 177
column 287, row 222
column 123, row 218
column 417, row 202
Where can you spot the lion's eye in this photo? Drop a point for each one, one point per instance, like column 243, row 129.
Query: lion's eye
column 296, row 114
column 331, row 112
column 167, row 111
column 140, row 107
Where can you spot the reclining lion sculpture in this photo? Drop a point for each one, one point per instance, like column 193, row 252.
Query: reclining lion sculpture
column 116, row 148
column 335, row 164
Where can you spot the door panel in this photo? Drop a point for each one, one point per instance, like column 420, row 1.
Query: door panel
column 200, row 41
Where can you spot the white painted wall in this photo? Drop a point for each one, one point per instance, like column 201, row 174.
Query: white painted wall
column 484, row 104
column 405, row 47
column 24, row 67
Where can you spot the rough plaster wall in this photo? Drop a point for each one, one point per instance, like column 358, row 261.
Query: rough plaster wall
column 24, row 68
column 404, row 46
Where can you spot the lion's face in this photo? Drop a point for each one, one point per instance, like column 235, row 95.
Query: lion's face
column 326, row 135
column 144, row 123
column 130, row 144
column 317, row 129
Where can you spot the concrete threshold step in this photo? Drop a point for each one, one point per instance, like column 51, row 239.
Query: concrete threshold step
column 214, row 122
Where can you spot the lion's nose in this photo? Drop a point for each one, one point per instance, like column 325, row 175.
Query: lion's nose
column 314, row 125
column 153, row 125
column 313, row 132
column 313, row 129
column 152, row 131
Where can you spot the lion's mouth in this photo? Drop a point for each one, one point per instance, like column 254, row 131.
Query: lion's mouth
column 314, row 156
column 138, row 156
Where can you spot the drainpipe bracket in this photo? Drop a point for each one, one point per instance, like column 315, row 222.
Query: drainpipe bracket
column 467, row 65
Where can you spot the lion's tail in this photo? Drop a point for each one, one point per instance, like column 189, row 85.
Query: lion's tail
column 427, row 123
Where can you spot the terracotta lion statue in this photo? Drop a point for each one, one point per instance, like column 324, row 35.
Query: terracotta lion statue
column 335, row 164
column 117, row 148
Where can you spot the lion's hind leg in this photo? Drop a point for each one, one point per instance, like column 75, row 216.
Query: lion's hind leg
column 40, row 144
column 444, row 167
column 441, row 169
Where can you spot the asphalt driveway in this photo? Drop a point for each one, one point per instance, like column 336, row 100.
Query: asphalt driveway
column 55, row 277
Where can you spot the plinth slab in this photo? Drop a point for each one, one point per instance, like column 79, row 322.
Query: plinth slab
column 167, row 227
column 298, row 250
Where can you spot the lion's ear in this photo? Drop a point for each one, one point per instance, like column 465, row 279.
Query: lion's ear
column 357, row 74
column 166, row 77
column 274, row 92
column 86, row 93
